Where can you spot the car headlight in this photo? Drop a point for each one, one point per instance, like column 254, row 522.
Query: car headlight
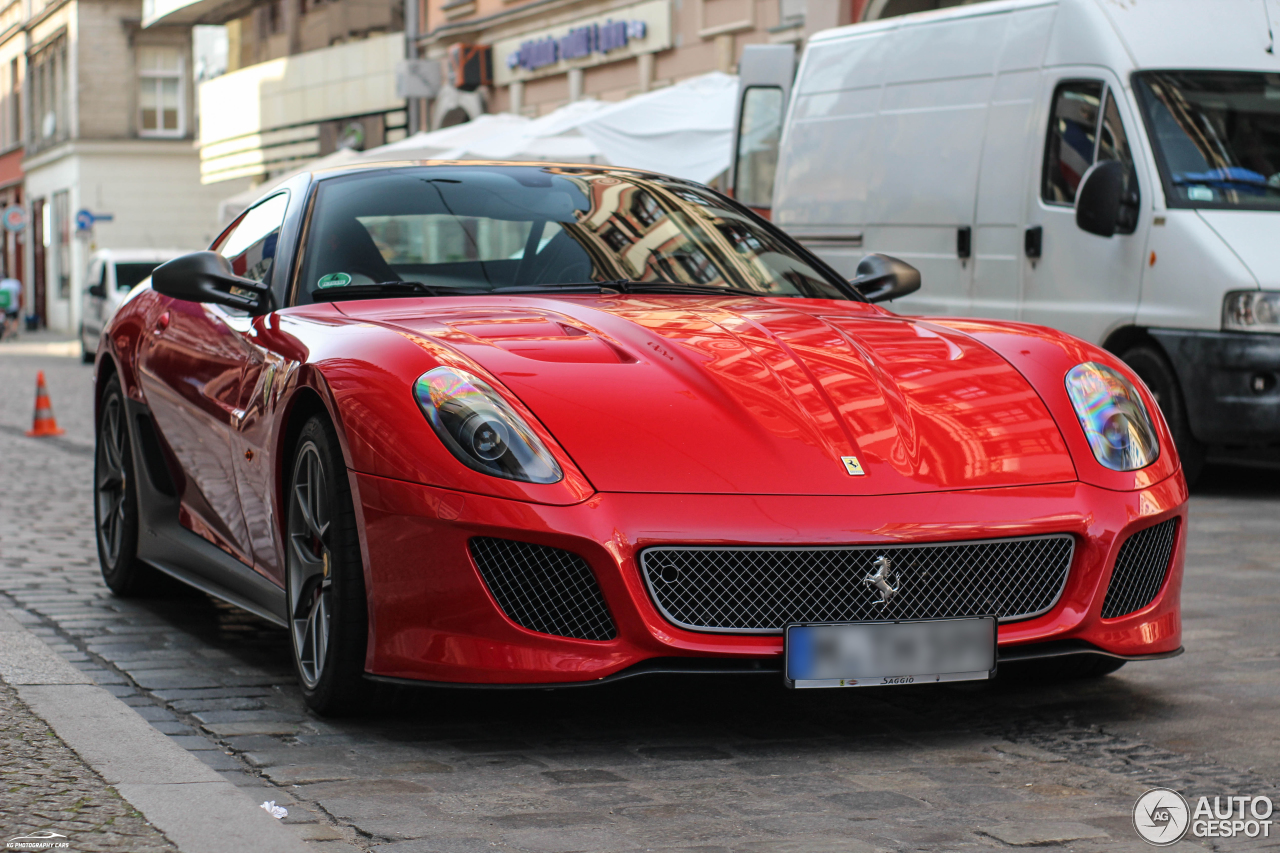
column 481, row 428
column 1113, row 417
column 1251, row 311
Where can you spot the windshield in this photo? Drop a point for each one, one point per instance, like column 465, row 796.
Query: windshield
column 129, row 274
column 1216, row 136
column 481, row 228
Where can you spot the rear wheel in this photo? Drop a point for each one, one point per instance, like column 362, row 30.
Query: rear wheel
column 328, row 620
column 1154, row 369
column 115, row 504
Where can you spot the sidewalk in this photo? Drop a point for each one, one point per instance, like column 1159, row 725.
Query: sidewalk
column 76, row 761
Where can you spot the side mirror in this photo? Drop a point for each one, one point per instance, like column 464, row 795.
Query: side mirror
column 98, row 291
column 1098, row 199
column 880, row 277
column 208, row 277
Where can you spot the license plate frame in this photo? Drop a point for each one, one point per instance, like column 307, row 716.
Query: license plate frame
column 880, row 632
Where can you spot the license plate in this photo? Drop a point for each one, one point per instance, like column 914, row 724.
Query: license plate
column 872, row 654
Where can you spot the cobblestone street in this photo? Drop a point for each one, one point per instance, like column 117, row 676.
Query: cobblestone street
column 712, row 765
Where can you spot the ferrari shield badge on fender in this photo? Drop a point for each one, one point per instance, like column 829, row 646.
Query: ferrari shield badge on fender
column 853, row 466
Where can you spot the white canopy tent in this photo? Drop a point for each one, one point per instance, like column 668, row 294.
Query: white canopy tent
column 685, row 130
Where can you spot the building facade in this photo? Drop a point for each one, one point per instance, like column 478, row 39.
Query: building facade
column 303, row 78
column 97, row 121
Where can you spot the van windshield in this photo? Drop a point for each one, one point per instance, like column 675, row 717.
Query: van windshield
column 1216, row 135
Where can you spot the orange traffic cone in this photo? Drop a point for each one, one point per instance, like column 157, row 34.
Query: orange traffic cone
column 45, row 423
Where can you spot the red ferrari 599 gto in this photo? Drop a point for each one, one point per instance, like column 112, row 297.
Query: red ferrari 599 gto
column 537, row 425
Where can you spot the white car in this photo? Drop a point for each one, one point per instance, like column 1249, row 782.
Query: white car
column 112, row 274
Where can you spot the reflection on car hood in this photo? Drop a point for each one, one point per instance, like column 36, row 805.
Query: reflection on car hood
column 733, row 395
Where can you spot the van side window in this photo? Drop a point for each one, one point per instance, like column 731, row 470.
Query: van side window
column 1073, row 136
column 1114, row 145
column 756, row 162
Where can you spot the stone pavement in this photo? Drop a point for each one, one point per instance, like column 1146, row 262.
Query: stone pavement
column 713, row 765
column 45, row 786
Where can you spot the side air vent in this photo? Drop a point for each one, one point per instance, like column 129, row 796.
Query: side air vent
column 544, row 589
column 153, row 457
column 1141, row 567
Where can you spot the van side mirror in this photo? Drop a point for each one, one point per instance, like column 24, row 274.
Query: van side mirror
column 880, row 278
column 208, row 277
column 97, row 290
column 1098, row 199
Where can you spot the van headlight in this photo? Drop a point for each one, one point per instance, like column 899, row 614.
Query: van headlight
column 1251, row 311
column 481, row 428
column 1113, row 417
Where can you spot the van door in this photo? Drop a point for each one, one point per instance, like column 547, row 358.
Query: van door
column 1082, row 283
column 765, row 75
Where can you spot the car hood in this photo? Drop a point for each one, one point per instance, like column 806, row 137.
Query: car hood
column 1251, row 234
column 751, row 396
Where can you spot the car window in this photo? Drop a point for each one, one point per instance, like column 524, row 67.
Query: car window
column 1073, row 137
column 96, row 271
column 250, row 244
column 129, row 274
column 1113, row 144
column 529, row 226
column 757, row 157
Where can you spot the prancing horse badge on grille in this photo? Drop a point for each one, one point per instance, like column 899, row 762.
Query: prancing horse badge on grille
column 853, row 466
column 882, row 579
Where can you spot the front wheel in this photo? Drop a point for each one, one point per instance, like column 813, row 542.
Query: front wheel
column 115, row 504
column 328, row 620
column 1154, row 370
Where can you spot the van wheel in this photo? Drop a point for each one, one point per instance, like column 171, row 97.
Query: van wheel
column 1154, row 369
column 86, row 357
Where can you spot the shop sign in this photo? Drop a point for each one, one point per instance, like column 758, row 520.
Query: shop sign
column 578, row 43
column 15, row 218
column 623, row 33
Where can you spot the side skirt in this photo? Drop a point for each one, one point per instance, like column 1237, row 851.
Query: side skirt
column 169, row 547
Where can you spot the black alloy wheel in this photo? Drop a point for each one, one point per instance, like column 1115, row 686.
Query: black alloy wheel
column 328, row 621
column 1154, row 370
column 115, row 504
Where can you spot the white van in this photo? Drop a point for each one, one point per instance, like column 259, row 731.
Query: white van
column 1107, row 168
column 112, row 274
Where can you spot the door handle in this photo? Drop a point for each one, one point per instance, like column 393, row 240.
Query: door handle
column 964, row 242
column 1033, row 242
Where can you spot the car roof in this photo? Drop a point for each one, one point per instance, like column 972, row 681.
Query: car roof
column 580, row 168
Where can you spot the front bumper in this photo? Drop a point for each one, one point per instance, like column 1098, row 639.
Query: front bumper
column 433, row 619
column 1217, row 371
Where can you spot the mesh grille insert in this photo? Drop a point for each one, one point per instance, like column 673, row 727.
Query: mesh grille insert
column 544, row 589
column 762, row 589
column 1141, row 567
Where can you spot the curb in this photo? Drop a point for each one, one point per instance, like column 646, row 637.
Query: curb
column 198, row 810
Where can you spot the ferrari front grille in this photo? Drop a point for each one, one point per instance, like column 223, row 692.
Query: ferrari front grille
column 757, row 589
column 1141, row 567
column 544, row 589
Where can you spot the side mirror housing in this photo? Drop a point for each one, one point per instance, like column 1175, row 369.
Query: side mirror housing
column 880, row 278
column 98, row 291
column 1098, row 199
column 208, row 277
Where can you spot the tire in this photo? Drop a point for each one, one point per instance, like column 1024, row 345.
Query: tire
column 86, row 357
column 115, row 499
column 328, row 616
column 1154, row 369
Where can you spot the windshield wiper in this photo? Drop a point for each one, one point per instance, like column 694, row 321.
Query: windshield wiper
column 625, row 285
column 388, row 288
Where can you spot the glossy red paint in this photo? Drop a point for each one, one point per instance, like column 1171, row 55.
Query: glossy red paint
column 436, row 621
column 696, row 420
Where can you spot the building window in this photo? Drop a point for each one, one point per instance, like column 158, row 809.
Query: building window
column 48, row 68
column 160, row 107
